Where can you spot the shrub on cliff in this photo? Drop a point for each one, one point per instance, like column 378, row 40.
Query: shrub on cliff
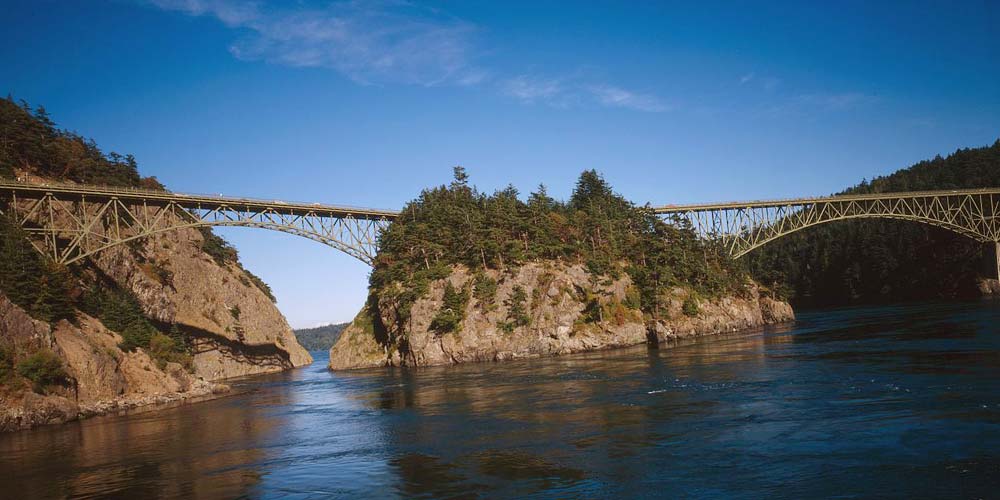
column 43, row 368
column 6, row 364
column 164, row 349
column 449, row 317
column 690, row 307
column 121, row 312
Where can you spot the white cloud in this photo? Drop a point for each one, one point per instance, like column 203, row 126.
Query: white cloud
column 370, row 43
column 617, row 97
column 231, row 13
column 389, row 41
column 764, row 82
column 567, row 92
column 532, row 89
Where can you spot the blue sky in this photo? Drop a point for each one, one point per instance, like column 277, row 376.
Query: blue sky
column 365, row 103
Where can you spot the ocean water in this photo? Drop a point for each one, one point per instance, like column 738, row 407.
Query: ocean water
column 863, row 402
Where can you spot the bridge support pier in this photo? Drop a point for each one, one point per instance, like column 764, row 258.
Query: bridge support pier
column 997, row 255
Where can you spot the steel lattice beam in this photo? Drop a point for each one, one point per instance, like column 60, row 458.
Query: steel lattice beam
column 745, row 226
column 73, row 222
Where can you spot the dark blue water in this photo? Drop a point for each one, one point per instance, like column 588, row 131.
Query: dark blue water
column 875, row 402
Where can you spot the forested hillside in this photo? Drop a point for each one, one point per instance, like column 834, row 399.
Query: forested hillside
column 320, row 338
column 872, row 260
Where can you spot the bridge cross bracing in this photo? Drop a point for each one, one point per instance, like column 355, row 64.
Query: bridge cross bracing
column 72, row 222
column 745, row 226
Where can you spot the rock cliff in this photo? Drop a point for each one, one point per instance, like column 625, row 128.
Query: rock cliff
column 235, row 328
column 101, row 378
column 231, row 325
column 567, row 310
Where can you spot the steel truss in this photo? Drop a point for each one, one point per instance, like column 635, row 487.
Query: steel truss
column 72, row 222
column 745, row 226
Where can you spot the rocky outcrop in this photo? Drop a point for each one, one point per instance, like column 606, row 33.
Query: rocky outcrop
column 101, row 378
column 568, row 309
column 989, row 287
column 238, row 329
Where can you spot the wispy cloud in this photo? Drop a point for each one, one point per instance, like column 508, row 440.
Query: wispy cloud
column 231, row 13
column 765, row 82
column 370, row 43
column 621, row 98
column 835, row 101
column 816, row 103
column 389, row 41
column 571, row 92
column 532, row 89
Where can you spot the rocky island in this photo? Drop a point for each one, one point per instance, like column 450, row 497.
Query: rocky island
column 462, row 276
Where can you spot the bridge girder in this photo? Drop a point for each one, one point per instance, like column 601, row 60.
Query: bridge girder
column 745, row 226
column 74, row 222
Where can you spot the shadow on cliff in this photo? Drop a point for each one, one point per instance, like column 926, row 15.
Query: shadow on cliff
column 255, row 354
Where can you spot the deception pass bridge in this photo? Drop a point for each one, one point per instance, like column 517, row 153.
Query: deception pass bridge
column 73, row 221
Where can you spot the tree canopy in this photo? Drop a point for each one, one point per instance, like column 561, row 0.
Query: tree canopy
column 457, row 224
column 29, row 140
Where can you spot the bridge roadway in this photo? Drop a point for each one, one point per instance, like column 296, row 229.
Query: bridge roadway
column 188, row 200
column 79, row 220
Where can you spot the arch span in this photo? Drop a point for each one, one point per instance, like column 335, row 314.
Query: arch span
column 745, row 226
column 74, row 222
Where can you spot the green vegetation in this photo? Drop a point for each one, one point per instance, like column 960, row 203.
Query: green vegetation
column 517, row 314
column 120, row 311
column 6, row 364
column 30, row 280
column 690, row 307
column 875, row 260
column 43, row 368
column 320, row 338
column 253, row 279
column 456, row 224
column 449, row 317
column 484, row 289
column 165, row 349
column 217, row 247
column 30, row 140
column 224, row 254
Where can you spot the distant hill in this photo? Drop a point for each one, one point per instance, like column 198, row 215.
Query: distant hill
column 320, row 338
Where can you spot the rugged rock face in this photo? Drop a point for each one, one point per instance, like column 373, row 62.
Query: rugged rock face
column 563, row 318
column 233, row 326
column 102, row 378
column 989, row 287
column 238, row 330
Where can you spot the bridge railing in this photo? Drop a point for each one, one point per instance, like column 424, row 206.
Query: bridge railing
column 700, row 207
column 133, row 192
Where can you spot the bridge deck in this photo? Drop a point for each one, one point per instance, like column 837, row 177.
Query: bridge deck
column 704, row 207
column 196, row 201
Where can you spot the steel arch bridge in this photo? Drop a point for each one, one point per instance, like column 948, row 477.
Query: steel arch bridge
column 745, row 226
column 72, row 222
